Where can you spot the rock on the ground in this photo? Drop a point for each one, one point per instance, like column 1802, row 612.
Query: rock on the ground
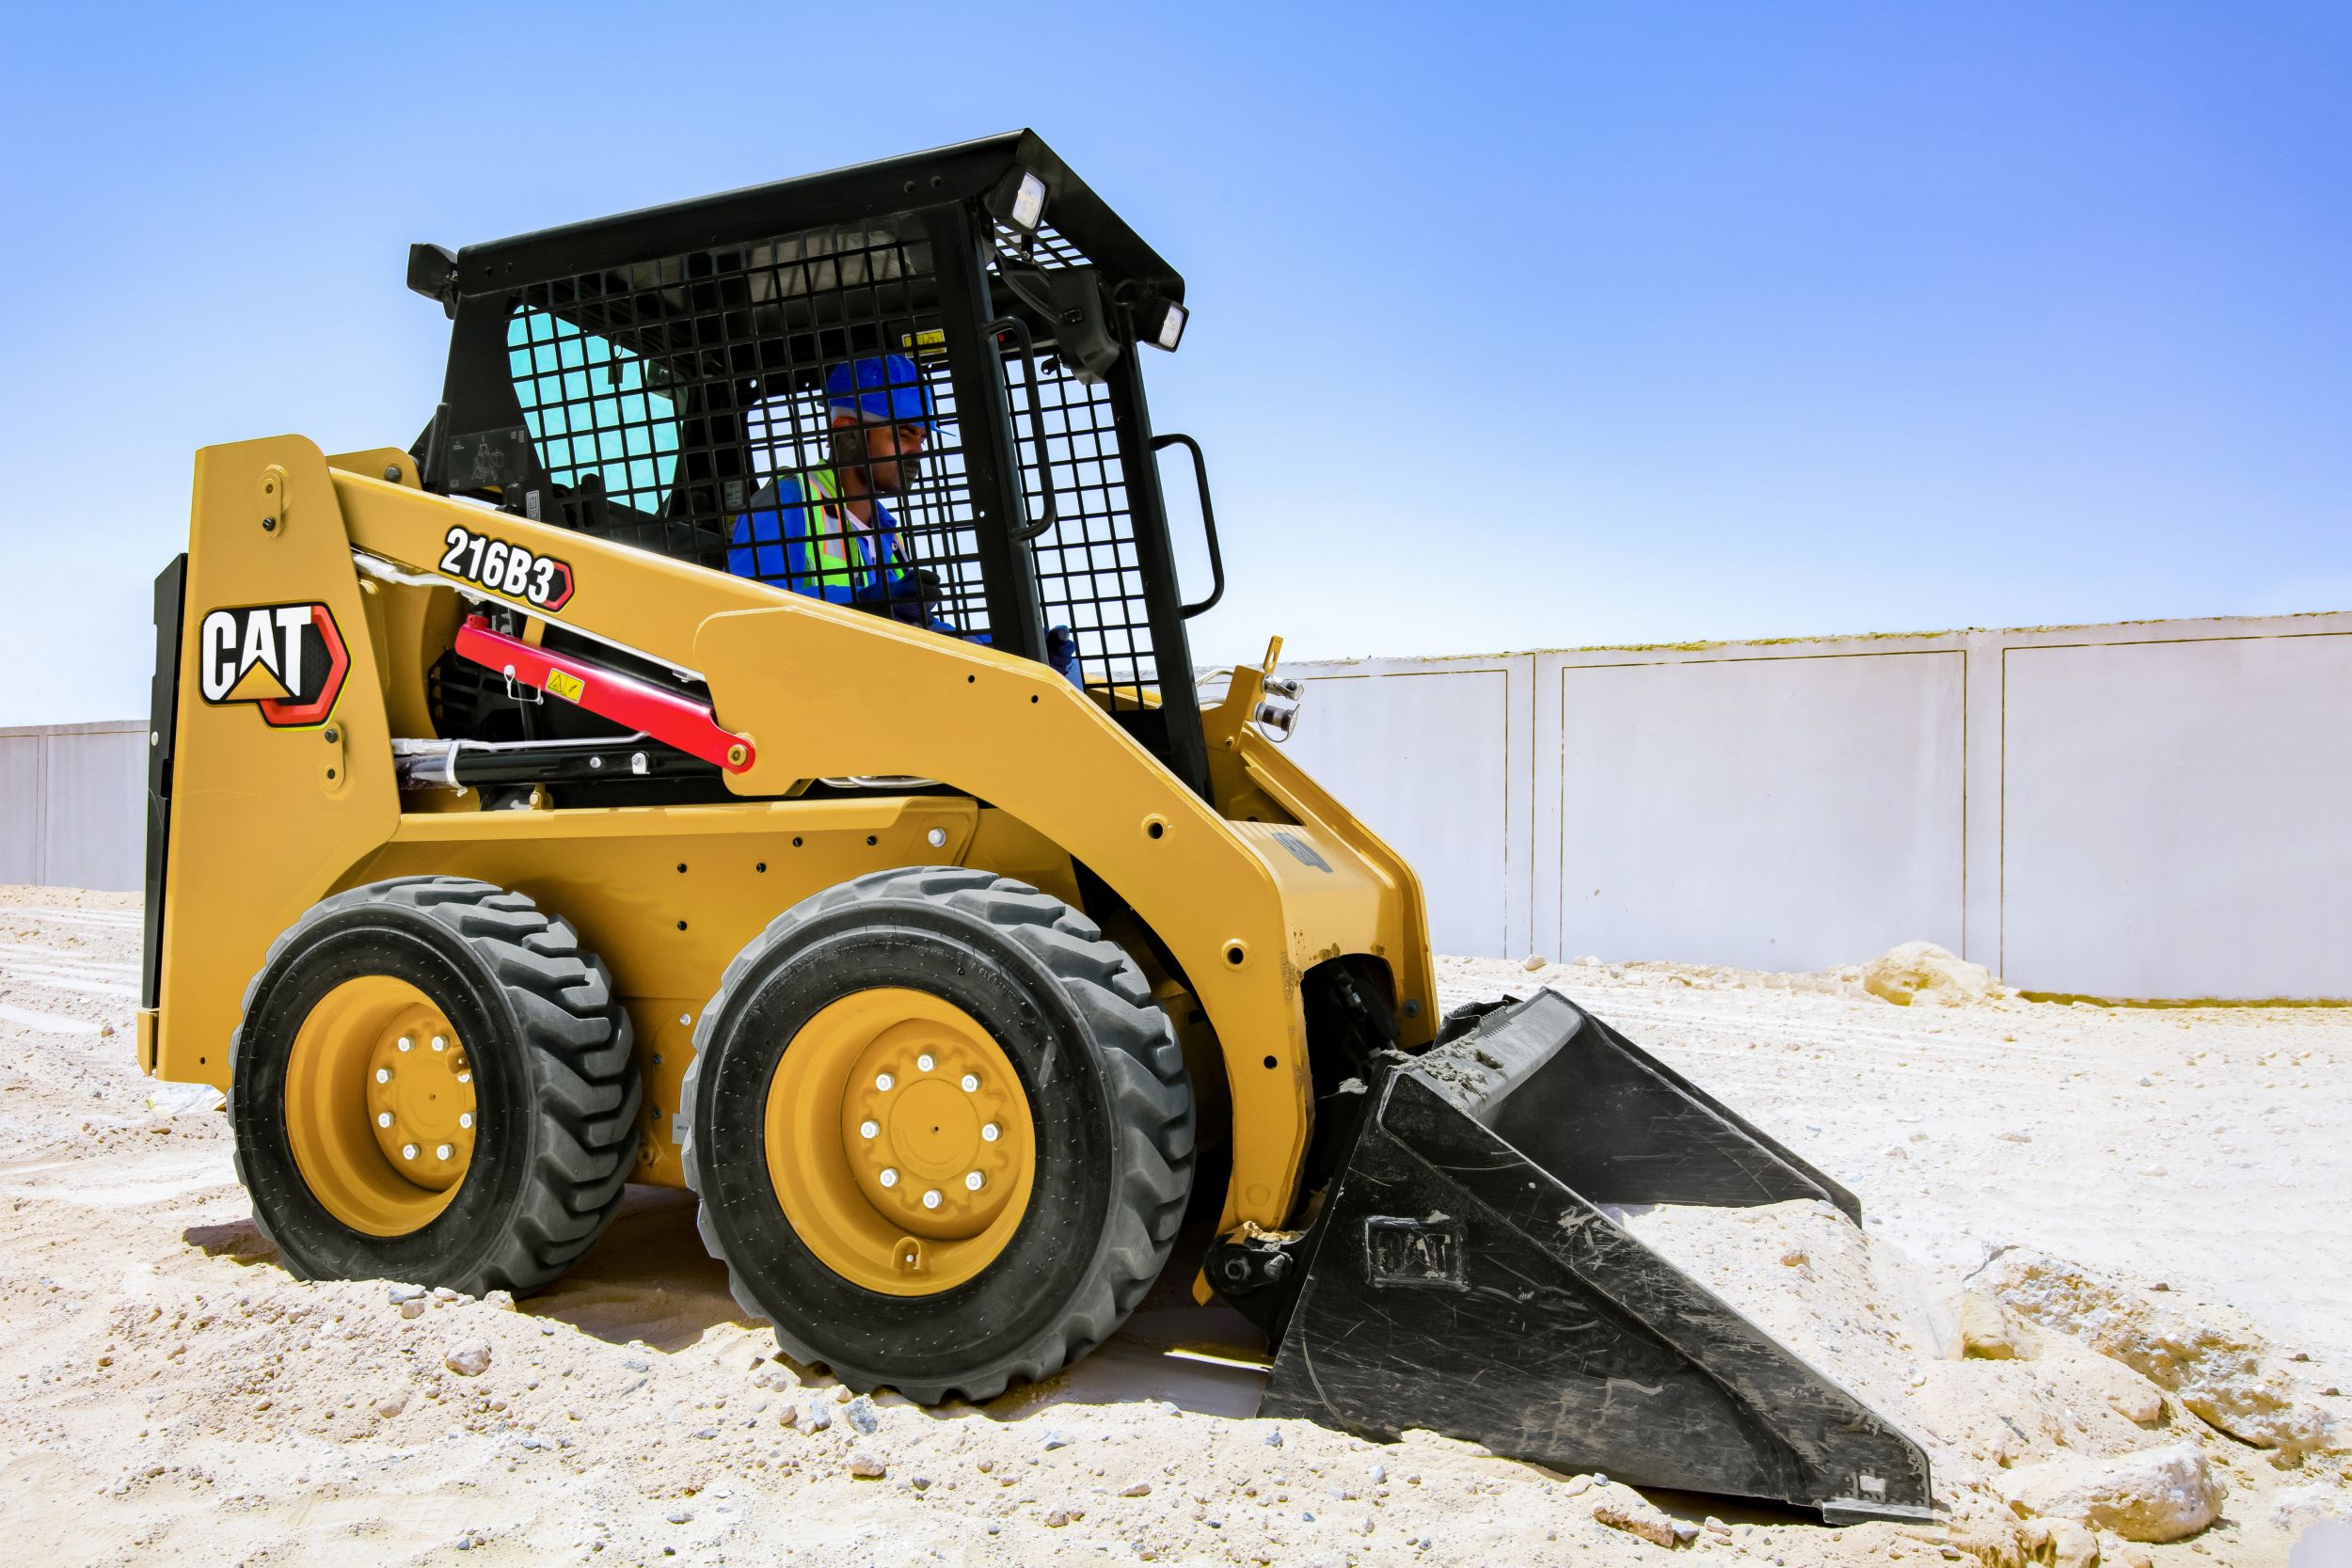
column 2215, row 1368
column 1922, row 971
column 1635, row 1517
column 1995, row 1543
column 2299, row 1508
column 468, row 1358
column 2155, row 1495
column 1987, row 1333
column 2062, row 1544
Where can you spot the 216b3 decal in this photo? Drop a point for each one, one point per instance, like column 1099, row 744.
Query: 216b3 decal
column 287, row 660
column 508, row 569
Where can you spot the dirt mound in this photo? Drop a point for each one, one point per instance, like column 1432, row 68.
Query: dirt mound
column 1921, row 971
column 2212, row 1359
column 2035, row 1399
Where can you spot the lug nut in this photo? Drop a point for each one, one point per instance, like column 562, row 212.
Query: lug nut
column 408, row 1044
column 992, row 1133
column 868, row 1128
column 440, row 1044
column 889, row 1176
column 443, row 1152
column 383, row 1119
column 383, row 1075
column 883, row 1082
column 924, row 1062
column 970, row 1082
column 930, row 1200
column 973, row 1181
column 465, row 1118
column 407, row 1151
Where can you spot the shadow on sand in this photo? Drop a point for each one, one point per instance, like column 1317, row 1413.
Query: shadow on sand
column 649, row 1280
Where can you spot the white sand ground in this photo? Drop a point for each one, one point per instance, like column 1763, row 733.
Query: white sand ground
column 174, row 1397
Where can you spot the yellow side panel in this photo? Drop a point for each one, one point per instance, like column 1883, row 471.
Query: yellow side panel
column 1269, row 773
column 1330, row 899
column 262, row 817
column 667, row 895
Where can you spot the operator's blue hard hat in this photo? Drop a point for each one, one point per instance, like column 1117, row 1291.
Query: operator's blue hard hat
column 884, row 388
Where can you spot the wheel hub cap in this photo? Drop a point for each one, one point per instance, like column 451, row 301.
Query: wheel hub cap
column 381, row 1119
column 900, row 1141
column 421, row 1099
column 930, row 1130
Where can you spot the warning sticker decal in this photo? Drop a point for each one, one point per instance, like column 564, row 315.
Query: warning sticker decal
column 287, row 660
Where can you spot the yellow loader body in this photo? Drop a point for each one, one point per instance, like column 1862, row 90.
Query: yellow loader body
column 667, row 895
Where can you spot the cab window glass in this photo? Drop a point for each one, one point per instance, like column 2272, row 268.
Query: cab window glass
column 590, row 410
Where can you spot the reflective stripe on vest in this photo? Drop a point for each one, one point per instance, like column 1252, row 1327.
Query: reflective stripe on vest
column 836, row 564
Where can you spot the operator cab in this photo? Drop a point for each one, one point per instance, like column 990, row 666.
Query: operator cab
column 739, row 381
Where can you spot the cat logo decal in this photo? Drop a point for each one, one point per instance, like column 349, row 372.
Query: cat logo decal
column 287, row 660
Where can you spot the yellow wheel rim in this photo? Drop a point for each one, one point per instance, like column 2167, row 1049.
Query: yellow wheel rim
column 381, row 1105
column 900, row 1141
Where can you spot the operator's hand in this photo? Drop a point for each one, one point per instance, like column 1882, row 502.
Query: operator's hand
column 911, row 596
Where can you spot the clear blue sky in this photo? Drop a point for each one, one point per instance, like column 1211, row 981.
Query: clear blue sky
column 1784, row 319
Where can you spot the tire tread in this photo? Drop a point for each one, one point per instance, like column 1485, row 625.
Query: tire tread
column 1149, row 1094
column 578, row 1055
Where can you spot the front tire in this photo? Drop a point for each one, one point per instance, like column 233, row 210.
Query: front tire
column 942, row 1135
column 432, row 1083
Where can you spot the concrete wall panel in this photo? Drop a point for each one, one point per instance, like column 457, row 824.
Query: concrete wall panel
column 2178, row 817
column 1777, row 812
column 21, row 804
column 2158, row 810
column 73, row 805
column 97, row 807
column 1431, row 756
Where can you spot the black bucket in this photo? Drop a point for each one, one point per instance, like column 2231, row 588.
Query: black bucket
column 1463, row 1278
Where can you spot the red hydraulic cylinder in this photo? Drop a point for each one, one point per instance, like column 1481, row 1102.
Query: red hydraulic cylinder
column 669, row 716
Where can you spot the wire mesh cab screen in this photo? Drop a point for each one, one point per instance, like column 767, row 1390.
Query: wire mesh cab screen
column 928, row 413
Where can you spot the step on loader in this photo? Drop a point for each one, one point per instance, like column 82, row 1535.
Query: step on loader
column 749, row 742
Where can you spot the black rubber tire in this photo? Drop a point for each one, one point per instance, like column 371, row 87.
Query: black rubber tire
column 555, row 1084
column 1106, row 1086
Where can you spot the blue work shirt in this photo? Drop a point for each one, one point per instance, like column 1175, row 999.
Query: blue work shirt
column 820, row 550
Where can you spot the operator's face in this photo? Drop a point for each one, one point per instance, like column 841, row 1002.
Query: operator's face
column 885, row 446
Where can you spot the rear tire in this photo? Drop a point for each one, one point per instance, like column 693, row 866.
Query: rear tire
column 1108, row 1151
column 532, row 1051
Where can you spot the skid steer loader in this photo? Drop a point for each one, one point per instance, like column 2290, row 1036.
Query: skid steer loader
column 748, row 743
